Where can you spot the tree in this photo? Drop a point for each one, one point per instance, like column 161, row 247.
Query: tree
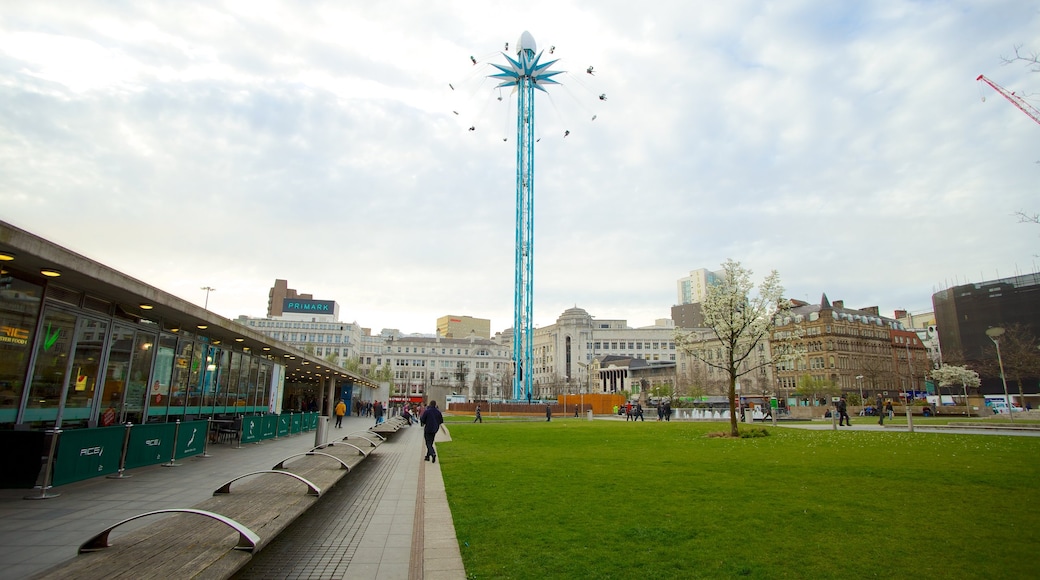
column 814, row 388
column 740, row 322
column 1019, row 351
column 949, row 375
column 461, row 372
column 1030, row 59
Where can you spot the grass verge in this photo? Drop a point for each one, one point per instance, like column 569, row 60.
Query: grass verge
column 609, row 499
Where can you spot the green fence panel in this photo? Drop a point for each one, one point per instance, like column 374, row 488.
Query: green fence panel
column 191, row 440
column 296, row 423
column 149, row 444
column 252, row 427
column 269, row 427
column 284, row 422
column 86, row 453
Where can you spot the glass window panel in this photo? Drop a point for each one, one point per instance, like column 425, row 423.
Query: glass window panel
column 137, row 381
column 159, row 396
column 117, row 372
column 19, row 308
column 53, row 351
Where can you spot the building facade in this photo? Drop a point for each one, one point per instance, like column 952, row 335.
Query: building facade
column 852, row 350
column 693, row 288
column 477, row 368
column 454, row 326
column 564, row 352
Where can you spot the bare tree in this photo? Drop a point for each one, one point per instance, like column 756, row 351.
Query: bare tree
column 1030, row 59
column 740, row 322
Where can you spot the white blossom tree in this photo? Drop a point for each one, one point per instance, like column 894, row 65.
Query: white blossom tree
column 949, row 375
column 741, row 319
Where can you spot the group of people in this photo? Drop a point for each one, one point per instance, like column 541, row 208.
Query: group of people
column 841, row 409
column 429, row 417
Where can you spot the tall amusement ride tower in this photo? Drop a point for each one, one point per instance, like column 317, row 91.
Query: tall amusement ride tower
column 526, row 73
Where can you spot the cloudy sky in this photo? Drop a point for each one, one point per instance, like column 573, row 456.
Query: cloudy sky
column 846, row 145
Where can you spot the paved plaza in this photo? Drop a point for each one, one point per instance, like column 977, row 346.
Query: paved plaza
column 387, row 519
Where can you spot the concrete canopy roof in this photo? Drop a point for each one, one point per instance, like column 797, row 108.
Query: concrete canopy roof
column 80, row 274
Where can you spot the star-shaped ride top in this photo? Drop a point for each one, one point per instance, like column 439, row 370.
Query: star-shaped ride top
column 526, row 66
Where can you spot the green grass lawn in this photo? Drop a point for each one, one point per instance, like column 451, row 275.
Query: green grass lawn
column 610, row 499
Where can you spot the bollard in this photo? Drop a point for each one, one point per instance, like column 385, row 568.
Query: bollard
column 205, row 440
column 48, row 468
column 834, row 419
column 320, row 431
column 173, row 454
column 122, row 458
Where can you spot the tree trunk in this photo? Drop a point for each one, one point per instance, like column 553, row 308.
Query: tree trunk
column 733, row 430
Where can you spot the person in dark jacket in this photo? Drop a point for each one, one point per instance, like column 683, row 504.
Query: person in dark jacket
column 431, row 420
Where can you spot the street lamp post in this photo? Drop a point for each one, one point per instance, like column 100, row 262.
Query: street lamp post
column 859, row 381
column 208, row 289
column 994, row 334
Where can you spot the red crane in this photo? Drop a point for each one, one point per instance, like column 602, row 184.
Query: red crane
column 1015, row 99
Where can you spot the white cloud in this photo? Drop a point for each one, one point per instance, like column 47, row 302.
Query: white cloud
column 229, row 144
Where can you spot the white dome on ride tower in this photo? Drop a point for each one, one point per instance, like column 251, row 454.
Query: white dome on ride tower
column 526, row 42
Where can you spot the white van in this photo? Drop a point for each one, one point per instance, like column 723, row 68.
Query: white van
column 999, row 405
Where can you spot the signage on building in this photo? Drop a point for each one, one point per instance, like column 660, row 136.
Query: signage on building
column 295, row 305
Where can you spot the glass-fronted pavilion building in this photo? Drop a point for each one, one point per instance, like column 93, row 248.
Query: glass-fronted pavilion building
column 82, row 345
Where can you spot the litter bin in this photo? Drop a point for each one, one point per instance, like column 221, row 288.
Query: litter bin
column 321, row 431
column 590, row 414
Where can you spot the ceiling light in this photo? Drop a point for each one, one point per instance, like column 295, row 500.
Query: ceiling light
column 6, row 256
column 50, row 272
column 239, row 339
column 146, row 306
column 202, row 327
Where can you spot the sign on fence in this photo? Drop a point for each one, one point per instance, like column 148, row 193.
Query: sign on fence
column 149, row 444
column 86, row 453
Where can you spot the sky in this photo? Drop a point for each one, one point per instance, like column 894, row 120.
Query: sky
column 846, row 145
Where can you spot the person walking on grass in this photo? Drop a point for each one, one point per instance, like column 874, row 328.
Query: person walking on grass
column 478, row 418
column 431, row 420
column 843, row 412
column 548, row 412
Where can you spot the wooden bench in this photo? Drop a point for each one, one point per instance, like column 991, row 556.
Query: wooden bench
column 218, row 536
column 392, row 425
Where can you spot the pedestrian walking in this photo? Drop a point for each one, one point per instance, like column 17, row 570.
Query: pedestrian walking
column 888, row 409
column 478, row 418
column 843, row 412
column 548, row 412
column 668, row 410
column 431, row 420
column 880, row 411
column 341, row 409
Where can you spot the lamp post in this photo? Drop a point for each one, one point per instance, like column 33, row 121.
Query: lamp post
column 859, row 381
column 994, row 334
column 208, row 289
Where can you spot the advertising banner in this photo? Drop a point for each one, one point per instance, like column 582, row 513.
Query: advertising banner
column 269, row 426
column 86, row 453
column 283, row 425
column 149, row 444
column 252, row 427
column 296, row 424
column 192, row 438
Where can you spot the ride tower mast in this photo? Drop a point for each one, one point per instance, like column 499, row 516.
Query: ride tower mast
column 526, row 73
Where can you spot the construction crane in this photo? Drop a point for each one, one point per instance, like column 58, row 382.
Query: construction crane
column 1015, row 99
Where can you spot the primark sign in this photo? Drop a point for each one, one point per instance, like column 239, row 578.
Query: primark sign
column 297, row 306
